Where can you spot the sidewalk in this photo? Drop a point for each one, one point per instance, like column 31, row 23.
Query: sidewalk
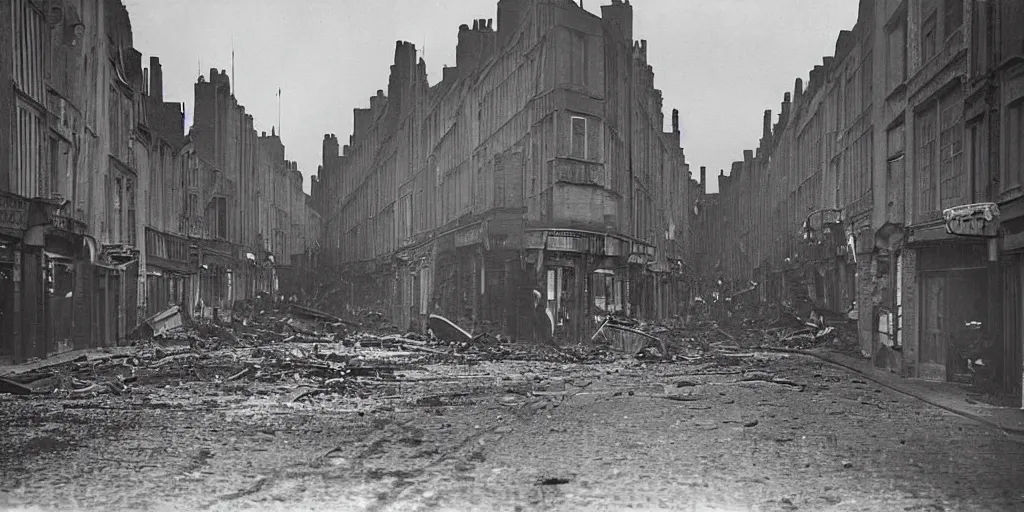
column 943, row 395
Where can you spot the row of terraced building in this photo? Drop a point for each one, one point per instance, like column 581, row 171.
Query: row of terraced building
column 111, row 212
column 888, row 189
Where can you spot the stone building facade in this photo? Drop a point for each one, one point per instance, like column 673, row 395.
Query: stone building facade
column 891, row 189
column 538, row 164
column 109, row 211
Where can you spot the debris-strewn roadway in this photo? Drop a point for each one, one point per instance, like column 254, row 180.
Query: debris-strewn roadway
column 367, row 422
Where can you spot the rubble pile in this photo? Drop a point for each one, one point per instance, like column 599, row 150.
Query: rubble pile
column 318, row 353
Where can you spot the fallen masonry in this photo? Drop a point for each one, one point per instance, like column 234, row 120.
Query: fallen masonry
column 314, row 353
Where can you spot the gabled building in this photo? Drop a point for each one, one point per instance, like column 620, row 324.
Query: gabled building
column 537, row 164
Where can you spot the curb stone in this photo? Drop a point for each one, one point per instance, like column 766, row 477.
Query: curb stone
column 903, row 388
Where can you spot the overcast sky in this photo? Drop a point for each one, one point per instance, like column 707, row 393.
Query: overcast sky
column 720, row 62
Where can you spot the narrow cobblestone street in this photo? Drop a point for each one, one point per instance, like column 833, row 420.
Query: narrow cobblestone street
column 759, row 432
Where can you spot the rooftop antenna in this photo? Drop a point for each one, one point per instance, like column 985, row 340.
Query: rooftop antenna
column 278, row 111
column 233, row 84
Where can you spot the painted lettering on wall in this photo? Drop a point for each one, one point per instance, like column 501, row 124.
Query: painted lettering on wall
column 13, row 212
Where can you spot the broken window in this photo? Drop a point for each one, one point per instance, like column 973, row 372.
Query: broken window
column 951, row 176
column 925, row 161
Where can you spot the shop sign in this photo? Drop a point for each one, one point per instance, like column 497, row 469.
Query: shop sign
column 575, row 241
column 977, row 220
column 13, row 212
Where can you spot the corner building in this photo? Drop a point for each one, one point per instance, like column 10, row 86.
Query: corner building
column 538, row 163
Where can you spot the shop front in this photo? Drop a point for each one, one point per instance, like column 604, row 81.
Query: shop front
column 1012, row 293
column 582, row 275
column 13, row 223
column 956, row 277
column 217, row 269
column 826, row 280
column 51, row 283
column 641, row 284
column 168, row 272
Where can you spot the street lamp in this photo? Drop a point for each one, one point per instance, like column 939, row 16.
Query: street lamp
column 807, row 232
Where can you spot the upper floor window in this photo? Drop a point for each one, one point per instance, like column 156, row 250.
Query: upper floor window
column 896, row 49
column 580, row 59
column 980, row 32
column 578, row 148
column 221, row 207
column 954, row 15
column 584, row 138
column 929, row 38
column 1011, row 17
column 1014, row 144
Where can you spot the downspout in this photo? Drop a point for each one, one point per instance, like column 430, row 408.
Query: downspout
column 630, row 62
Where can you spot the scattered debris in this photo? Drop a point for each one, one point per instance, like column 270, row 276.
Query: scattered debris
column 159, row 324
column 445, row 330
column 13, row 388
column 627, row 340
column 554, row 481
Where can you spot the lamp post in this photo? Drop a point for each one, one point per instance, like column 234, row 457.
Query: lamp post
column 807, row 231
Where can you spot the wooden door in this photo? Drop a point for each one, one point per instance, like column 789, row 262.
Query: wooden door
column 8, row 314
column 934, row 328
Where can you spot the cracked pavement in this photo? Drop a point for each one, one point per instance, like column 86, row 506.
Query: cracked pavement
column 765, row 432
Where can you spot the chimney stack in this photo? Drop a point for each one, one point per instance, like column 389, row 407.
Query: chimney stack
column 675, row 120
column 156, row 79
